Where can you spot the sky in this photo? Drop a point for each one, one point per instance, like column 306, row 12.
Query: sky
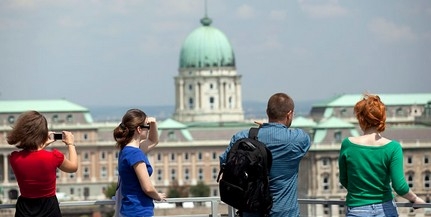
column 126, row 52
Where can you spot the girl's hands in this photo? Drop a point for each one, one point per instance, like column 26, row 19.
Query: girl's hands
column 151, row 120
column 68, row 138
column 49, row 140
column 162, row 197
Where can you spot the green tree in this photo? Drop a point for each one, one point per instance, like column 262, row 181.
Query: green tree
column 110, row 190
column 200, row 190
column 177, row 191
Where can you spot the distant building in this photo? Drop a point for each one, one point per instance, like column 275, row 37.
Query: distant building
column 208, row 88
column 188, row 153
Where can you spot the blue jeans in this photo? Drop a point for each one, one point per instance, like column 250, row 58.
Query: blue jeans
column 386, row 209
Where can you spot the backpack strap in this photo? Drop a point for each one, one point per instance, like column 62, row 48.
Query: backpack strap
column 252, row 133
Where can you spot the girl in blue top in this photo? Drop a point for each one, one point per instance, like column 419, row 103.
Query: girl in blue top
column 133, row 166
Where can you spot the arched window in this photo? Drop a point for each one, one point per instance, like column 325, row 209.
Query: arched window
column 427, row 180
column 173, row 174
column 409, row 179
column 69, row 118
column 191, row 103
column 159, row 175
column 211, row 102
column 200, row 174
column 325, row 182
column 55, row 118
column 186, row 174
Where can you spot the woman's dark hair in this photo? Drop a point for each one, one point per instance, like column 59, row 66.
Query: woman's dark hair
column 123, row 133
column 371, row 113
column 30, row 131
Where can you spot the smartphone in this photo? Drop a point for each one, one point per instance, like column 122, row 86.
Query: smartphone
column 58, row 136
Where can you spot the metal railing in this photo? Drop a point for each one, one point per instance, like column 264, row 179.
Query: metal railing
column 215, row 204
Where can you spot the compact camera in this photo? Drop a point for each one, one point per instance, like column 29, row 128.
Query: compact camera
column 58, row 136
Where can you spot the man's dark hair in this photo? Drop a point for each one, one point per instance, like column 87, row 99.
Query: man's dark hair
column 279, row 105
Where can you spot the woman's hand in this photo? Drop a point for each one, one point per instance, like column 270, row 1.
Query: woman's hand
column 418, row 200
column 68, row 138
column 151, row 120
column 162, row 197
column 49, row 140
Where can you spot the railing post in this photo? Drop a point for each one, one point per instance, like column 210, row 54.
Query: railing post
column 214, row 208
column 230, row 211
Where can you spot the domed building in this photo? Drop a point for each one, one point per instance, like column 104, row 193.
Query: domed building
column 208, row 88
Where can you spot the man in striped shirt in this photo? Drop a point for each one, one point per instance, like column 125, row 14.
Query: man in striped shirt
column 288, row 147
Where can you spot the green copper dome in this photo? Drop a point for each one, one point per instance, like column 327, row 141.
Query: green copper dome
column 206, row 47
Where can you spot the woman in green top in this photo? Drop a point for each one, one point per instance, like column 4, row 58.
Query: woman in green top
column 370, row 163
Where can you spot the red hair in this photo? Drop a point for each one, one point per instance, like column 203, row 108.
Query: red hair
column 371, row 113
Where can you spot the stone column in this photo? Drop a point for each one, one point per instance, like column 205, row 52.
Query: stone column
column 5, row 169
column 237, row 93
column 199, row 96
column 220, row 98
column 180, row 96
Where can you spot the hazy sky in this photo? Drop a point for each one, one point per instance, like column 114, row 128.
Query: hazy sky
column 104, row 52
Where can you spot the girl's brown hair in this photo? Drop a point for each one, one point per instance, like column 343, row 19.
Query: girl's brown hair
column 29, row 131
column 123, row 133
column 371, row 113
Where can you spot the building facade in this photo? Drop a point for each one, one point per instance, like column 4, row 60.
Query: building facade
column 208, row 87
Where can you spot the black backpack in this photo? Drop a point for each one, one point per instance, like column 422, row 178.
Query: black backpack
column 244, row 182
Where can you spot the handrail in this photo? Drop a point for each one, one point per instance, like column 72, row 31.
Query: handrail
column 214, row 204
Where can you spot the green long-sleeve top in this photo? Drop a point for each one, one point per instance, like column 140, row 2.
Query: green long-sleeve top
column 367, row 171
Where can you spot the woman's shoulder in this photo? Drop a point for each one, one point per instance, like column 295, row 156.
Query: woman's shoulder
column 368, row 140
column 132, row 151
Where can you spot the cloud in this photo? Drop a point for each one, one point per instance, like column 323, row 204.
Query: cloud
column 8, row 24
column 327, row 9
column 20, row 4
column 245, row 12
column 428, row 10
column 390, row 32
column 427, row 36
column 272, row 43
column 69, row 22
column 277, row 15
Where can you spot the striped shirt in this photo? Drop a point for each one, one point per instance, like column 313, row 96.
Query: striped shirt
column 288, row 147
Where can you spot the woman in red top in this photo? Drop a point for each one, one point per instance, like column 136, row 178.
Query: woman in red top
column 35, row 168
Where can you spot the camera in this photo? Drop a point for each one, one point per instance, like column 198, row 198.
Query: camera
column 58, row 136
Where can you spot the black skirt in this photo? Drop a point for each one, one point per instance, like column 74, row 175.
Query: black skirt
column 37, row 207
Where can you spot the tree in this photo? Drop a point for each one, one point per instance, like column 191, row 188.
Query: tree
column 110, row 190
column 177, row 191
column 200, row 190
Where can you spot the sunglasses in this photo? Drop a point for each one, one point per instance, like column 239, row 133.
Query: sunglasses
column 144, row 126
